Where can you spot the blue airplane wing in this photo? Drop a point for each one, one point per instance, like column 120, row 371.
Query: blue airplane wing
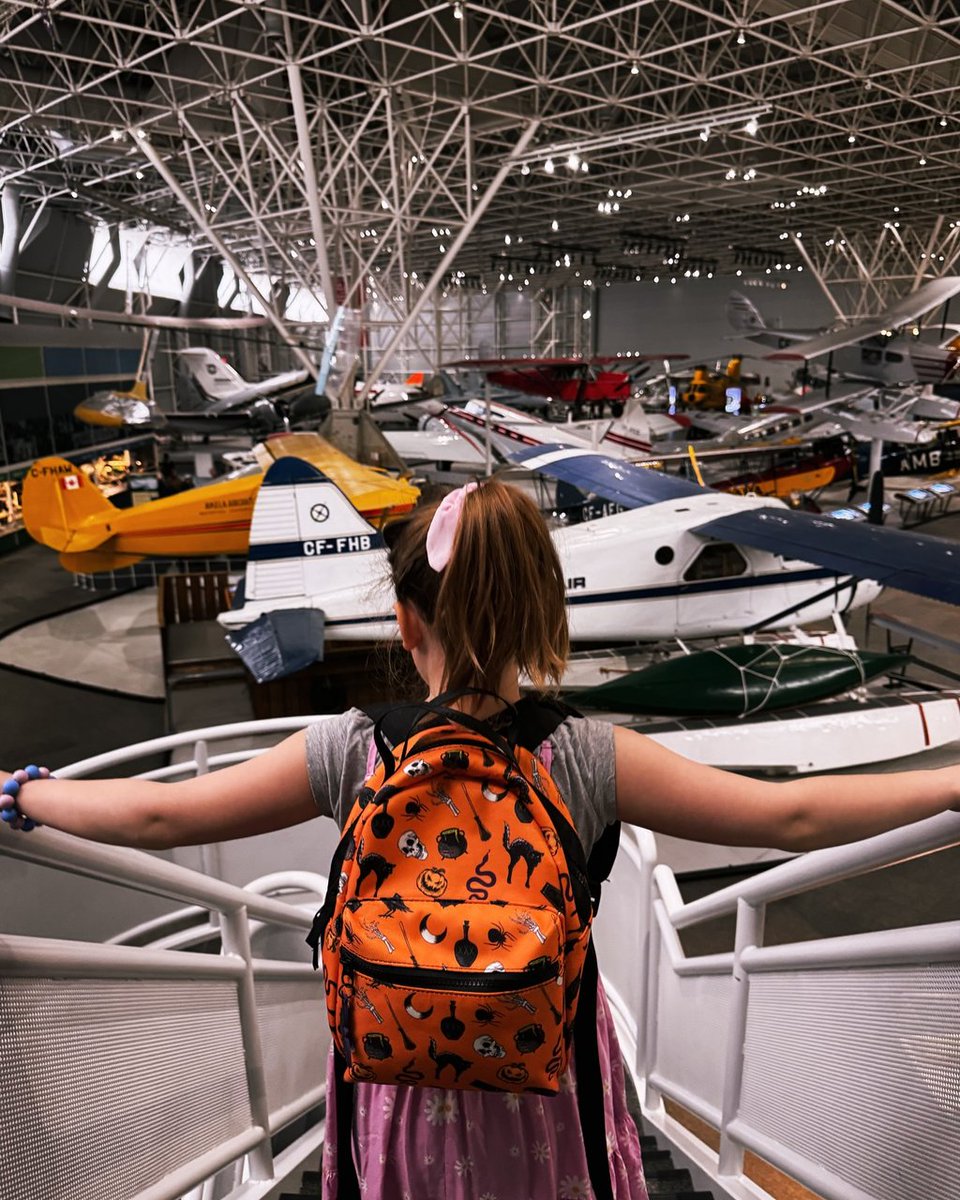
column 913, row 562
column 611, row 479
column 926, row 566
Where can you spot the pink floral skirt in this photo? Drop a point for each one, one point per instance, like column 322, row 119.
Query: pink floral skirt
column 424, row 1143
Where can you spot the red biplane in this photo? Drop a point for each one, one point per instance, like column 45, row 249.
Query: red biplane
column 586, row 383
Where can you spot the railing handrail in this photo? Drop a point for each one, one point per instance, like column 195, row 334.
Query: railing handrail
column 171, row 741
column 135, row 868
column 817, row 868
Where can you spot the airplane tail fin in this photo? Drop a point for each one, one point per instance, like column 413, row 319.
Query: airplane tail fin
column 58, row 500
column 305, row 535
column 203, row 377
column 744, row 316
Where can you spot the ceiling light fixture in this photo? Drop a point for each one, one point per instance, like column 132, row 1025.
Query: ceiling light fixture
column 752, row 126
column 704, row 134
column 741, row 38
column 549, row 167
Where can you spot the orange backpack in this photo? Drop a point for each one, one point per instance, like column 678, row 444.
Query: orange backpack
column 456, row 927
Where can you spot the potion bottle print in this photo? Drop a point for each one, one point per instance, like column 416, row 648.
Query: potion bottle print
column 464, row 950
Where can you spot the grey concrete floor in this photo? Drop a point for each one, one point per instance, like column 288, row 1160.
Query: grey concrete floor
column 43, row 719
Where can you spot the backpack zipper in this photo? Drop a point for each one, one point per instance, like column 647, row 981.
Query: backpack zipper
column 424, row 978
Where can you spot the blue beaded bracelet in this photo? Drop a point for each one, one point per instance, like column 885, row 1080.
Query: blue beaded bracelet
column 10, row 811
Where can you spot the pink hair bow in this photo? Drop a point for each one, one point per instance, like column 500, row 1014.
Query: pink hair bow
column 443, row 527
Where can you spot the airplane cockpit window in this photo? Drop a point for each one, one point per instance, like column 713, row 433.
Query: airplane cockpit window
column 717, row 561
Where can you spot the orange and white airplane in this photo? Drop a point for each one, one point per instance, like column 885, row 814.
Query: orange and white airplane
column 64, row 510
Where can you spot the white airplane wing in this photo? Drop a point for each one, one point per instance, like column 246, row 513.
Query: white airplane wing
column 932, row 294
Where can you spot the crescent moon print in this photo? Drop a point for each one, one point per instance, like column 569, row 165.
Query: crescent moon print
column 414, row 1012
column 427, row 936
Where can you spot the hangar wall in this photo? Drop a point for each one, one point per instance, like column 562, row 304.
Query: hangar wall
column 664, row 317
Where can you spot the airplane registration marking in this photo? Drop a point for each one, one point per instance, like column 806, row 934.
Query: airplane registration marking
column 62, row 469
column 315, row 547
column 338, row 545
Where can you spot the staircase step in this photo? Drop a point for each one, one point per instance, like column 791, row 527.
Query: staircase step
column 652, row 1159
column 668, row 1182
column 311, row 1183
column 647, row 1142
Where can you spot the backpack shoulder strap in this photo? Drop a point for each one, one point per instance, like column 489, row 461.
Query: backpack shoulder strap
column 538, row 718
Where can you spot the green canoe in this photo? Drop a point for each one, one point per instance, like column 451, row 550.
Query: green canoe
column 738, row 680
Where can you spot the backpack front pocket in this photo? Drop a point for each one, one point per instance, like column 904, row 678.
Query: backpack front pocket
column 468, row 995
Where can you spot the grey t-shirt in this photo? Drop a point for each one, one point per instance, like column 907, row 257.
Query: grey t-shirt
column 583, row 768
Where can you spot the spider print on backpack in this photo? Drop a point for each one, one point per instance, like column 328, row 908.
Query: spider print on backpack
column 479, row 930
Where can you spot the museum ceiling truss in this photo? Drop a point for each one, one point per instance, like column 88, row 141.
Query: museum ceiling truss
column 402, row 148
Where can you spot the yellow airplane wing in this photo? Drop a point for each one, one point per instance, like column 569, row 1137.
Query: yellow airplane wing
column 375, row 492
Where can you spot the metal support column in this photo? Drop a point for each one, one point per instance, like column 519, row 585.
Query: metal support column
column 305, row 147
column 801, row 250
column 238, row 268
column 449, row 258
column 9, row 239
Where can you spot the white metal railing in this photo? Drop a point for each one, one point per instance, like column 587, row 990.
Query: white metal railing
column 705, row 1070
column 236, row 913
column 236, row 910
column 692, row 1027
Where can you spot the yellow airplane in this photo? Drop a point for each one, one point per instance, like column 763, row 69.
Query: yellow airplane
column 708, row 389
column 62, row 509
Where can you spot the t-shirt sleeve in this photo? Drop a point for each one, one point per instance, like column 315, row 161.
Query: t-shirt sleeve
column 584, row 769
column 337, row 751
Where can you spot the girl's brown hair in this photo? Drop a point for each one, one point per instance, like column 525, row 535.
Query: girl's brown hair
column 500, row 598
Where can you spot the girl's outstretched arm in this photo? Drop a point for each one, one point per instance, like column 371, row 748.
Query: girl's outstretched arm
column 670, row 794
column 264, row 793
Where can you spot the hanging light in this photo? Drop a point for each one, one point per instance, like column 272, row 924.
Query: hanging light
column 549, row 167
column 573, row 160
column 752, row 126
column 704, row 134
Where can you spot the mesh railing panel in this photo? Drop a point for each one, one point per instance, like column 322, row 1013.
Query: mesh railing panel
column 692, row 1022
column 111, row 1084
column 294, row 1036
column 859, row 1072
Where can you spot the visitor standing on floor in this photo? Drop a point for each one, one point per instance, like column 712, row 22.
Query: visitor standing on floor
column 480, row 601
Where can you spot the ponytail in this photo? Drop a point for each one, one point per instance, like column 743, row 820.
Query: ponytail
column 500, row 598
